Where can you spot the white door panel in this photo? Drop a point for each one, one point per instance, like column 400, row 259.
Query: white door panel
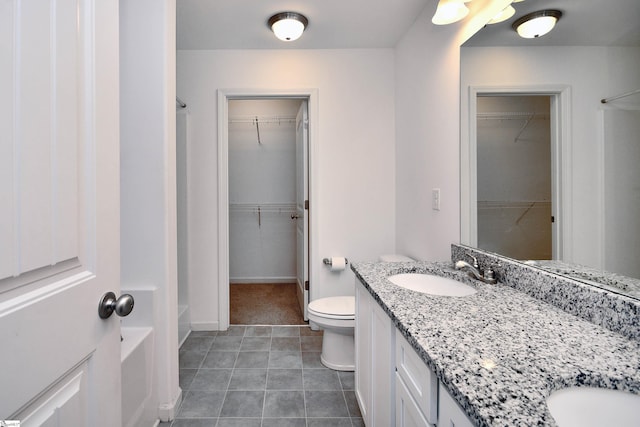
column 302, row 214
column 59, row 182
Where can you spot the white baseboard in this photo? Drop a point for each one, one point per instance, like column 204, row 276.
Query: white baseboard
column 205, row 326
column 168, row 411
column 233, row 280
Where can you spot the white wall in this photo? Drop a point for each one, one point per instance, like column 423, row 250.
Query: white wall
column 592, row 73
column 148, row 179
column 354, row 207
column 427, row 130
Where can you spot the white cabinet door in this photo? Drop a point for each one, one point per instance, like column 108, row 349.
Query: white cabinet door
column 374, row 361
column 363, row 348
column 59, row 222
column 382, row 366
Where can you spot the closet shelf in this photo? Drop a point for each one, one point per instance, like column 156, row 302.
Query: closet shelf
column 514, row 115
column 512, row 204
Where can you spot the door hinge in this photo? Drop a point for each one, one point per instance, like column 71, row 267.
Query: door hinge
column 306, row 205
column 306, row 285
column 553, row 219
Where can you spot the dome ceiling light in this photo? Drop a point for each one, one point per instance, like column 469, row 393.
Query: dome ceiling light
column 536, row 24
column 288, row 26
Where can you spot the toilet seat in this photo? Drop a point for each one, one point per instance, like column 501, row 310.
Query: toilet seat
column 343, row 307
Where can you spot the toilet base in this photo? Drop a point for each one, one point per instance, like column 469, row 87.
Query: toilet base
column 338, row 349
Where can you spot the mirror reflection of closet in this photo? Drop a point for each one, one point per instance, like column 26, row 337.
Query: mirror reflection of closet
column 514, row 179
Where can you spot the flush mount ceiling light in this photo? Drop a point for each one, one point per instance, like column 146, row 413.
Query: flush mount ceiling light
column 288, row 26
column 536, row 24
column 450, row 11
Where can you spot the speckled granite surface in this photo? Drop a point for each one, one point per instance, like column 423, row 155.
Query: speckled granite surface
column 610, row 281
column 500, row 352
column 616, row 312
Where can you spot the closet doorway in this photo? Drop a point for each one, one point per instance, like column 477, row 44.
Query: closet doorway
column 265, row 147
column 514, row 176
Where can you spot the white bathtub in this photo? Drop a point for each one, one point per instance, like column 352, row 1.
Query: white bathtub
column 139, row 408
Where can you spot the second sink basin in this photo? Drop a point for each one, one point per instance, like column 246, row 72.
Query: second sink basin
column 594, row 407
column 432, row 285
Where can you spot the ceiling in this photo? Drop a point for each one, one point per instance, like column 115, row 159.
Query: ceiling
column 333, row 24
column 583, row 23
column 340, row 24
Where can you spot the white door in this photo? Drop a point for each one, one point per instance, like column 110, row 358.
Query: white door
column 59, row 222
column 302, row 211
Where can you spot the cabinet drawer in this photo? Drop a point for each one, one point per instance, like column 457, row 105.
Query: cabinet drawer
column 420, row 381
column 407, row 412
column 451, row 415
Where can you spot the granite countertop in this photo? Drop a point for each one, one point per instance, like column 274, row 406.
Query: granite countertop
column 500, row 352
column 611, row 281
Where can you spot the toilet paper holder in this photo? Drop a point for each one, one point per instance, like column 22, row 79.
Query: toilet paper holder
column 327, row 261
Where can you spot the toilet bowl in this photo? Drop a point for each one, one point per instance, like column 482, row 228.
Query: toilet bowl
column 336, row 315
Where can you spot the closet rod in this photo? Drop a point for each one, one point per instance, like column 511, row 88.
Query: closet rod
column 262, row 120
column 512, row 115
column 622, row 95
column 180, row 103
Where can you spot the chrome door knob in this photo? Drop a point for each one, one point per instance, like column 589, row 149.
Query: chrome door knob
column 108, row 304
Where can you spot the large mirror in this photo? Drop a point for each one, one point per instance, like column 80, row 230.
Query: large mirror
column 548, row 171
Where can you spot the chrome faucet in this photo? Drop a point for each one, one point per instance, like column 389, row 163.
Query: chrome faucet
column 488, row 276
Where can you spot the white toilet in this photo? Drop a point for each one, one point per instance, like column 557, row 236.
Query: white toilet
column 337, row 316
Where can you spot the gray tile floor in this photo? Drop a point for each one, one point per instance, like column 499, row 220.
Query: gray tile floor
column 262, row 376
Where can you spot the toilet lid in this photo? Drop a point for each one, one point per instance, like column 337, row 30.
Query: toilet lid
column 334, row 306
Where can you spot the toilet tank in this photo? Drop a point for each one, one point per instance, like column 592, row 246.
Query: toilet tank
column 395, row 258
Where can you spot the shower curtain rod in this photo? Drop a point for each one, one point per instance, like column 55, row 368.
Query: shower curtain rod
column 180, row 103
column 623, row 95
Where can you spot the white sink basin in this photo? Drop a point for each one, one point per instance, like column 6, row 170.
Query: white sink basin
column 591, row 406
column 433, row 285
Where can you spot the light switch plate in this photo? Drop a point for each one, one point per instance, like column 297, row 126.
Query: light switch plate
column 435, row 199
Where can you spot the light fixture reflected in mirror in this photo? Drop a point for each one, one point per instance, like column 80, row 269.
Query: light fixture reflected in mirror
column 505, row 14
column 288, row 26
column 536, row 24
column 450, row 11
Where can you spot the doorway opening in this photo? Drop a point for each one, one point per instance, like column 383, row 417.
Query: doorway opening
column 519, row 198
column 264, row 223
column 514, row 174
column 262, row 211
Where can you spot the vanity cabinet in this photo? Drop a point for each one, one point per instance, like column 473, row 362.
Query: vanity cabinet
column 394, row 387
column 374, row 351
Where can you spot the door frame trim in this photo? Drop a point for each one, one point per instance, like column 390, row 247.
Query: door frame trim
column 562, row 147
column 224, row 95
